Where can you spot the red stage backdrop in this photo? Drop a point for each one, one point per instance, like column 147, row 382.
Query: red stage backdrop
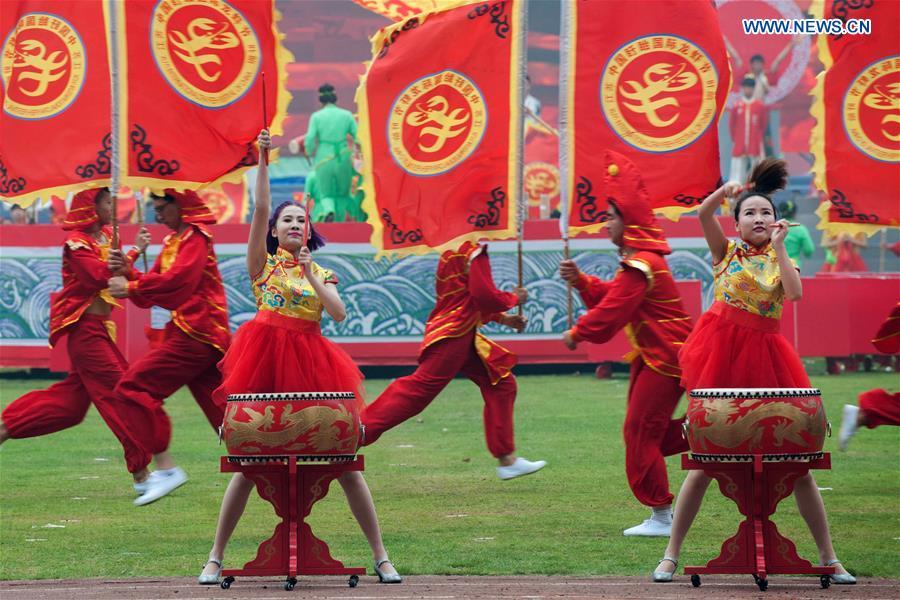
column 650, row 87
column 54, row 130
column 439, row 109
column 856, row 139
column 191, row 89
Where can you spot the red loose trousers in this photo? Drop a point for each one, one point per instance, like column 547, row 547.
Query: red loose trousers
column 178, row 361
column 97, row 366
column 439, row 364
column 880, row 408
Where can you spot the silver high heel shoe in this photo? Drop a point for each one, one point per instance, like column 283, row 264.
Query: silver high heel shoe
column 664, row 576
column 840, row 578
column 210, row 579
column 386, row 577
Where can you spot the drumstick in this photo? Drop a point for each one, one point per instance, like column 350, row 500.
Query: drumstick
column 789, row 225
column 307, row 225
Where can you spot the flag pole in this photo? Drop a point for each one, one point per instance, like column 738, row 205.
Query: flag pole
column 114, row 118
column 521, row 205
column 265, row 154
column 139, row 204
column 564, row 158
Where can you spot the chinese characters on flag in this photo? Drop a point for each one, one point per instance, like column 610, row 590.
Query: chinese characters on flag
column 440, row 120
column 651, row 88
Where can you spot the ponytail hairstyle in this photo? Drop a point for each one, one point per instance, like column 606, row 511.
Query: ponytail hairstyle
column 314, row 242
column 327, row 94
column 769, row 176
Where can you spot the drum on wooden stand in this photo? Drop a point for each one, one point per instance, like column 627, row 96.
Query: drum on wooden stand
column 756, row 443
column 292, row 446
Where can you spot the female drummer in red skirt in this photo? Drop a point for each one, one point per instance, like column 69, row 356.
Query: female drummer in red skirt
column 282, row 350
column 737, row 344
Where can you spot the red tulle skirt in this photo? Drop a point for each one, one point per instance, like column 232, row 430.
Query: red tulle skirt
column 732, row 348
column 275, row 353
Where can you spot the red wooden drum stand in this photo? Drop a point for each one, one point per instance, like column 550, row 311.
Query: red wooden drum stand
column 756, row 444
column 292, row 446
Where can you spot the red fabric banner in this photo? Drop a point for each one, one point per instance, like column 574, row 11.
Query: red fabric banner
column 56, row 99
column 541, row 176
column 440, row 108
column 191, row 89
column 400, row 10
column 230, row 204
column 649, row 81
column 856, row 139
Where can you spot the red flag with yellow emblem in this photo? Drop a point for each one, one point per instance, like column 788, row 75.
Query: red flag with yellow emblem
column 440, row 126
column 229, row 204
column 856, row 139
column 56, row 99
column 648, row 79
column 191, row 89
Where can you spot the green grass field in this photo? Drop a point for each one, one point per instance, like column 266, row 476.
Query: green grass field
column 441, row 506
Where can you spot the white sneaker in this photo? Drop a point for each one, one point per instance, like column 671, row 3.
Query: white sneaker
column 142, row 487
column 161, row 483
column 848, row 425
column 519, row 468
column 650, row 528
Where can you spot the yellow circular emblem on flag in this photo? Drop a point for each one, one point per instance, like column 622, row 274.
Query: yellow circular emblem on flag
column 541, row 179
column 206, row 50
column 219, row 204
column 436, row 123
column 658, row 92
column 43, row 66
column 871, row 110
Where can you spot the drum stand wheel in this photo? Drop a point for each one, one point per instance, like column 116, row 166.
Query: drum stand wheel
column 825, row 581
column 763, row 584
column 354, row 579
column 226, row 583
column 695, row 580
column 289, row 583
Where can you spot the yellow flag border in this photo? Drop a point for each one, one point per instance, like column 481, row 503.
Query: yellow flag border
column 817, row 141
column 369, row 205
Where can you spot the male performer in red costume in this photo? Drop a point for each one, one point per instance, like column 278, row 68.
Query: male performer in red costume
column 466, row 299
column 643, row 300
column 185, row 280
column 747, row 126
column 81, row 311
column 876, row 407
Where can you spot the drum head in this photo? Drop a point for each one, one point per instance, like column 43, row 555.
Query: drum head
column 288, row 396
column 753, row 392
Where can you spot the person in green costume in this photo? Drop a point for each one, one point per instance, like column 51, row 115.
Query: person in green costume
column 329, row 141
column 798, row 243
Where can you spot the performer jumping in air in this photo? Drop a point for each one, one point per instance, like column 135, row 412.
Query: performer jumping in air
column 185, row 280
column 466, row 298
column 81, row 311
column 737, row 344
column 282, row 350
column 643, row 300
